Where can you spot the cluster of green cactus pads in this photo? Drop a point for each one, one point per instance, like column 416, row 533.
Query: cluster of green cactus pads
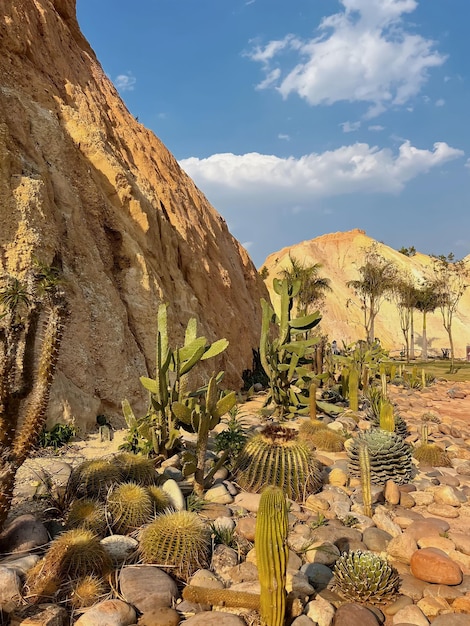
column 276, row 457
column 365, row 577
column 390, row 456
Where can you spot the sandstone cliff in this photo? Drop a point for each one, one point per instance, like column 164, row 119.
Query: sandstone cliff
column 341, row 255
column 82, row 182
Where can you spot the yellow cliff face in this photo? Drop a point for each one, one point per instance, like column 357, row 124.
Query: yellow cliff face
column 83, row 182
column 341, row 255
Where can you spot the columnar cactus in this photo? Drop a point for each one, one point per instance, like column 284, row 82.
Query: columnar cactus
column 364, row 465
column 271, row 555
column 353, row 383
column 387, row 420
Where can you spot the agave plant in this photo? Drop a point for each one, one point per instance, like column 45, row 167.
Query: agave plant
column 365, row 577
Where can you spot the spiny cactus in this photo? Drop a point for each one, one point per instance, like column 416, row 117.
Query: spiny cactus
column 87, row 513
column 160, row 499
column 93, row 478
column 353, row 385
column 431, row 454
column 364, row 577
column 74, row 554
column 129, row 505
column 387, row 420
column 271, row 555
column 135, row 468
column 327, row 440
column 32, row 318
column 364, row 467
column 277, row 457
column 87, row 591
column 390, row 457
column 178, row 541
column 309, row 427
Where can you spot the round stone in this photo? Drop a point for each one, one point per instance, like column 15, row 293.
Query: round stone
column 434, row 566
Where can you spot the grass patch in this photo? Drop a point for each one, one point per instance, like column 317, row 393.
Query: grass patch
column 439, row 368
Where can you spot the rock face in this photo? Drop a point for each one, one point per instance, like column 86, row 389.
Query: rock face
column 341, row 255
column 83, row 184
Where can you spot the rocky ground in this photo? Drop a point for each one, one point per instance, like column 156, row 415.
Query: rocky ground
column 422, row 528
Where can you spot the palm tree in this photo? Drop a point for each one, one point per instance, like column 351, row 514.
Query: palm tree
column 312, row 286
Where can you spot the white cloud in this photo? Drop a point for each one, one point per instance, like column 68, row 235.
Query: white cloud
column 350, row 127
column 268, row 180
column 363, row 54
column 467, row 163
column 247, row 244
column 125, row 82
column 376, row 127
column 441, row 102
column 284, row 137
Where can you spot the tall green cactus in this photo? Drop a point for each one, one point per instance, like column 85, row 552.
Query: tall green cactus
column 158, row 431
column 353, row 384
column 271, row 555
column 387, row 419
column 283, row 357
column 32, row 318
column 364, row 465
column 201, row 417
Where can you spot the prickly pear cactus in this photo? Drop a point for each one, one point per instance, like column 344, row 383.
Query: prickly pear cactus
column 366, row 578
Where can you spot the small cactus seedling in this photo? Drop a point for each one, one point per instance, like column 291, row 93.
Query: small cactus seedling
column 364, row 465
column 178, row 541
column 160, row 499
column 129, row 505
column 327, row 440
column 87, row 513
column 431, row 454
column 87, row 591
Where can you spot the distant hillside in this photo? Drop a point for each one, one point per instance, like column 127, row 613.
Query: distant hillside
column 341, row 255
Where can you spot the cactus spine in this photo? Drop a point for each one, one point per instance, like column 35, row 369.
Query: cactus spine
column 364, row 465
column 271, row 555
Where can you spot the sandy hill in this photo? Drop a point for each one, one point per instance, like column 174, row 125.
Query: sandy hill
column 341, row 255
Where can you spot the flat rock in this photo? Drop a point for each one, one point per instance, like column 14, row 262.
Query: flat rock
column 350, row 614
column 161, row 616
column 429, row 526
column 147, row 587
column 434, row 566
column 249, row 501
column 376, row 539
column 23, row 535
column 318, row 575
column 108, row 613
column 10, row 589
column 411, row 614
column 43, row 615
column 402, row 548
column 451, row 619
column 214, row 618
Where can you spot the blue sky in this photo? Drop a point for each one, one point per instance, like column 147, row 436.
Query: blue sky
column 298, row 118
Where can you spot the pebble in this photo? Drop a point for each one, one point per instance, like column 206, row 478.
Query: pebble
column 376, row 539
column 246, row 527
column 320, row 611
column 108, row 613
column 443, row 510
column 218, row 494
column 430, row 526
column 147, row 587
column 160, row 616
column 434, row 566
column 44, row 615
column 451, row 619
column 432, row 606
column 10, row 589
column 249, row 501
column 461, row 542
column 402, row 548
column 411, row 614
column 325, row 553
column 171, row 488
column 318, row 575
column 23, row 535
column 350, row 614
column 120, row 548
column 392, row 492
